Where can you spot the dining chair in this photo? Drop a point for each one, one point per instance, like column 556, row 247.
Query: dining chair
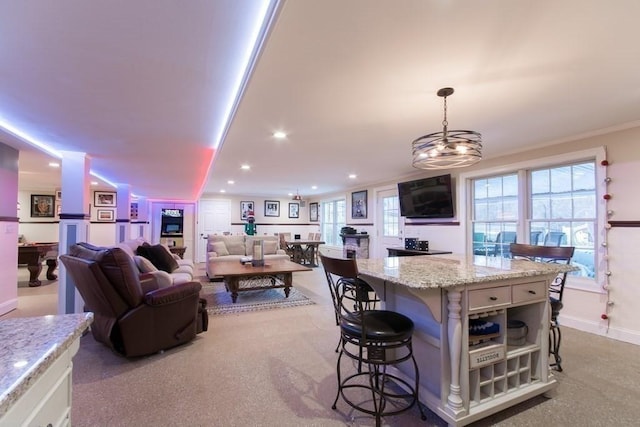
column 557, row 254
column 554, row 238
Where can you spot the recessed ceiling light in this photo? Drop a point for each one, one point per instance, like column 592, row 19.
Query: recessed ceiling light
column 223, row 191
column 289, row 194
column 245, row 167
column 314, row 187
column 94, row 182
column 54, row 164
column 231, row 182
column 279, row 135
column 353, row 176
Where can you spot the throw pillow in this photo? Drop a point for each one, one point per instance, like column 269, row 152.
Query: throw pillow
column 159, row 256
column 144, row 265
column 270, row 247
column 220, row 248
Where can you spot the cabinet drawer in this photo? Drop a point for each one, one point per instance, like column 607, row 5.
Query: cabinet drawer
column 535, row 291
column 487, row 298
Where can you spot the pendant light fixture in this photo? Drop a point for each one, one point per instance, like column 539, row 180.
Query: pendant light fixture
column 449, row 148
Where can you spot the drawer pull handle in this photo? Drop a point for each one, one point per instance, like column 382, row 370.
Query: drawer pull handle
column 493, row 298
column 532, row 292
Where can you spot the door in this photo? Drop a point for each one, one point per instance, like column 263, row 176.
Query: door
column 388, row 226
column 214, row 217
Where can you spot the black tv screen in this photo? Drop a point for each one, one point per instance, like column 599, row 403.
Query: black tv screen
column 426, row 198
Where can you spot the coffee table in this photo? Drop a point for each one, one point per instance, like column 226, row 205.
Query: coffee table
column 273, row 274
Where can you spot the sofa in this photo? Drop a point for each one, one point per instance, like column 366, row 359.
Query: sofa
column 133, row 317
column 233, row 248
column 182, row 271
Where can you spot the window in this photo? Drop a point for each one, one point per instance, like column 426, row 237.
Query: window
column 495, row 210
column 390, row 216
column 561, row 210
column 332, row 220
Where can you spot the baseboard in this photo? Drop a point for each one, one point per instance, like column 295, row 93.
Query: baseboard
column 600, row 328
column 8, row 306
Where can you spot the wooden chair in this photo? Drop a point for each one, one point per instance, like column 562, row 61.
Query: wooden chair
column 558, row 254
column 283, row 237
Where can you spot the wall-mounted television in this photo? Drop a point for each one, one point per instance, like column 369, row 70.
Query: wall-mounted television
column 426, row 198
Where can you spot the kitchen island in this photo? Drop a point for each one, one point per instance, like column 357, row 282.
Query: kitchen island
column 463, row 377
column 35, row 368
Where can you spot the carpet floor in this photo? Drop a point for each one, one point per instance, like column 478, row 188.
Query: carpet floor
column 277, row 368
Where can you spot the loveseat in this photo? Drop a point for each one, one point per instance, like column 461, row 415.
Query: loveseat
column 233, row 248
column 172, row 273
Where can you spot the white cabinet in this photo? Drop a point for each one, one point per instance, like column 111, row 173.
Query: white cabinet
column 496, row 369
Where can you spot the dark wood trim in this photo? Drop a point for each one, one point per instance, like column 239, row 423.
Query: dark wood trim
column 123, row 220
column 9, row 219
column 361, row 224
column 624, row 223
column 139, row 222
column 74, row 216
column 39, row 222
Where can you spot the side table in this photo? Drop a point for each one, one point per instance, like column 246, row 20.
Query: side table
column 178, row 250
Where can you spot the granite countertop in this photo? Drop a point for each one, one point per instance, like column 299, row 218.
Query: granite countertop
column 442, row 271
column 29, row 346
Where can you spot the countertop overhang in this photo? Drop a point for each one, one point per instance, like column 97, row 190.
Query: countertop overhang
column 443, row 271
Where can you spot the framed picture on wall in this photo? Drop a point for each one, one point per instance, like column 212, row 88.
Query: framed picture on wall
column 43, row 206
column 104, row 199
column 105, row 215
column 245, row 208
column 271, row 208
column 313, row 211
column 294, row 210
column 359, row 204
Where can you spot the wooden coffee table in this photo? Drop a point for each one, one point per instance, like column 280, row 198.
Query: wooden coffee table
column 274, row 274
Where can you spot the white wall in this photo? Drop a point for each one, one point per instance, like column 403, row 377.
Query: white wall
column 582, row 309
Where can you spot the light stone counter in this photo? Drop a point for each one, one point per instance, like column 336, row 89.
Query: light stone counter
column 30, row 346
column 443, row 271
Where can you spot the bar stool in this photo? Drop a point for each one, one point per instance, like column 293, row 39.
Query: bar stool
column 374, row 340
column 558, row 254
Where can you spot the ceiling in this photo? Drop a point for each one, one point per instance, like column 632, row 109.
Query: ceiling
column 145, row 87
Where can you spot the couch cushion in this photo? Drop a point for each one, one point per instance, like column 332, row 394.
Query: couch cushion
column 144, row 265
column 235, row 245
column 270, row 247
column 159, row 256
column 220, row 248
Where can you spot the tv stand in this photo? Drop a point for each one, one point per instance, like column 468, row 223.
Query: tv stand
column 414, row 252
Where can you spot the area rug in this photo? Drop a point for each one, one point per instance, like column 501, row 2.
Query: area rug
column 219, row 300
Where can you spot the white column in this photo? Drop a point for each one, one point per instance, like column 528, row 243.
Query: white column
column 140, row 225
column 123, row 213
column 74, row 222
column 9, row 228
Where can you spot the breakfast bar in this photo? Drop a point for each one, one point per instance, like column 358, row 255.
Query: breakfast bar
column 464, row 378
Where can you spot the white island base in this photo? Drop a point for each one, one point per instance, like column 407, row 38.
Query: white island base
column 463, row 380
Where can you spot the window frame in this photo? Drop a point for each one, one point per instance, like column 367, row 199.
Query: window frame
column 336, row 227
column 596, row 154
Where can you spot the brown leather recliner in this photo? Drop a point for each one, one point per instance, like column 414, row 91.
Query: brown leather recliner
column 132, row 317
